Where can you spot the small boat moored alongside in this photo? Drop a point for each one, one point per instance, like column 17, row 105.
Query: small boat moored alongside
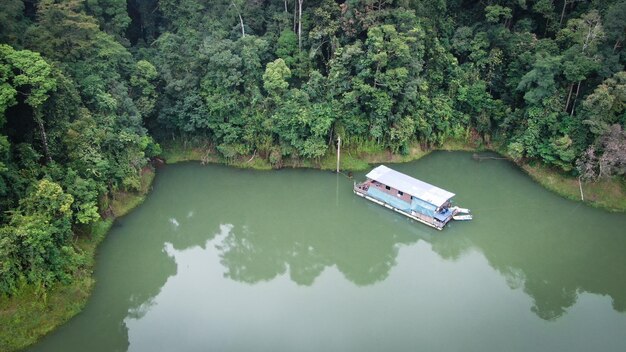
column 411, row 197
column 461, row 214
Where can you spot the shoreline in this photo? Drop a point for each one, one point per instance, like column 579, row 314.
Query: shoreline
column 27, row 318
column 609, row 195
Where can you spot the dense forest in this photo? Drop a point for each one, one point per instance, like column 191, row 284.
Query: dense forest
column 88, row 88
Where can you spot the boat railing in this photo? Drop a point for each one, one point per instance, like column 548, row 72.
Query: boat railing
column 361, row 187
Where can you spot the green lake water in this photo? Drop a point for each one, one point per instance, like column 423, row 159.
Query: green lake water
column 224, row 259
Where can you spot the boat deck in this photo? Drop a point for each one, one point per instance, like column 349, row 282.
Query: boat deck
column 410, row 197
column 362, row 191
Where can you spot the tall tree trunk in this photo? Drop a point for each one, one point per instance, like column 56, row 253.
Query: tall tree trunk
column 300, row 24
column 243, row 31
column 591, row 36
column 569, row 96
column 44, row 136
column 376, row 75
column 575, row 98
column 295, row 13
column 577, row 90
column 563, row 13
column 286, row 7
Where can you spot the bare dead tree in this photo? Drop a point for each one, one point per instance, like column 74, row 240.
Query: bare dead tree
column 587, row 164
column 613, row 159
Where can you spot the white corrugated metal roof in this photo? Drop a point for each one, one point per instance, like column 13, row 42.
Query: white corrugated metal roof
column 407, row 184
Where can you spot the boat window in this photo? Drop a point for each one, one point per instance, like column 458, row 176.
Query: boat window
column 400, row 193
column 387, row 187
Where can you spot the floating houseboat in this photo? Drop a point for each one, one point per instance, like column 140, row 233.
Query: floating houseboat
column 411, row 197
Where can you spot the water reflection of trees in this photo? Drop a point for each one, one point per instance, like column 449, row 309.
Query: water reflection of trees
column 552, row 252
column 132, row 280
column 551, row 264
column 552, row 248
column 133, row 266
column 364, row 252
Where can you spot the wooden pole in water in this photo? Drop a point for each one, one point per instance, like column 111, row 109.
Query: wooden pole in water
column 338, row 151
column 580, row 185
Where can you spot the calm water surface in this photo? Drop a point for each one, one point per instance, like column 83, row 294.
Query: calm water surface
column 223, row 259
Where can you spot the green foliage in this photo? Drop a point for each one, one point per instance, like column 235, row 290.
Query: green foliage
column 614, row 24
column 275, row 77
column 302, row 125
column 25, row 72
column 539, row 83
column 112, row 15
column 516, row 150
column 606, row 105
column 496, row 13
column 12, row 22
column 7, row 89
column 85, row 194
column 287, row 47
column 63, row 32
column 142, row 81
column 35, row 246
column 71, row 132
